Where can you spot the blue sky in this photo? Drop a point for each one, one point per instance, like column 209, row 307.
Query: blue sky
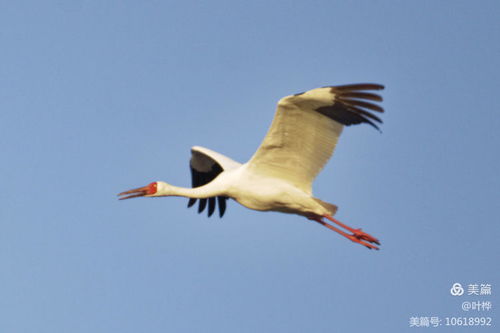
column 99, row 97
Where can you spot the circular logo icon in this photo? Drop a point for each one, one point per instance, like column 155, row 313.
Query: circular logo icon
column 456, row 289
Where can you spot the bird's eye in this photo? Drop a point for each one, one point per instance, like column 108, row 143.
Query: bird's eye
column 152, row 188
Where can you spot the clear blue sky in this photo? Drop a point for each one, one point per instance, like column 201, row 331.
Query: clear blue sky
column 99, row 97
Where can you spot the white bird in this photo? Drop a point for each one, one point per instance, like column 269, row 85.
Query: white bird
column 279, row 176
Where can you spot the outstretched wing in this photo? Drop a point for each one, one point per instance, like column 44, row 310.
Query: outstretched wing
column 306, row 128
column 205, row 166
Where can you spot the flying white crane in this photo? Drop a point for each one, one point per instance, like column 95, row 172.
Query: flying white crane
column 279, row 176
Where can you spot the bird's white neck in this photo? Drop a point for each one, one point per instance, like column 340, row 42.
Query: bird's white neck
column 201, row 192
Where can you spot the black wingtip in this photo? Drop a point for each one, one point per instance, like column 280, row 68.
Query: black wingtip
column 360, row 86
column 222, row 205
column 203, row 204
column 211, row 206
column 351, row 106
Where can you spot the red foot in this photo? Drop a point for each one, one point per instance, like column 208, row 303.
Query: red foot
column 355, row 239
column 357, row 236
column 363, row 235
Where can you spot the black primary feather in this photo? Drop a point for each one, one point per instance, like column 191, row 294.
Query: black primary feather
column 200, row 178
column 350, row 106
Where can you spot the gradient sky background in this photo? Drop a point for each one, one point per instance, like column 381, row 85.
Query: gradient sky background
column 100, row 97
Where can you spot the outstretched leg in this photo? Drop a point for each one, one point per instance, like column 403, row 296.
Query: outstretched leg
column 357, row 235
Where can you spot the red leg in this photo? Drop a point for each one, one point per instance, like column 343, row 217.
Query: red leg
column 358, row 233
column 352, row 237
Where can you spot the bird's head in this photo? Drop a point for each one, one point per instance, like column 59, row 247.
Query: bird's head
column 155, row 189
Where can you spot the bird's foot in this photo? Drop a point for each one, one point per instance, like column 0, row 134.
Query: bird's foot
column 357, row 236
column 361, row 235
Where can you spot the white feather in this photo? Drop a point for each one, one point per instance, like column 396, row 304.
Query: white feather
column 300, row 140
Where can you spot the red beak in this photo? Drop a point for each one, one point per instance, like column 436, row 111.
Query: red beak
column 134, row 193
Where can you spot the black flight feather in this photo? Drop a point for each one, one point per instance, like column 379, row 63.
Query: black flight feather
column 200, row 178
column 350, row 106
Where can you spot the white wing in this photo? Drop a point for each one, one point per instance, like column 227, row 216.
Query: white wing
column 203, row 159
column 306, row 128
